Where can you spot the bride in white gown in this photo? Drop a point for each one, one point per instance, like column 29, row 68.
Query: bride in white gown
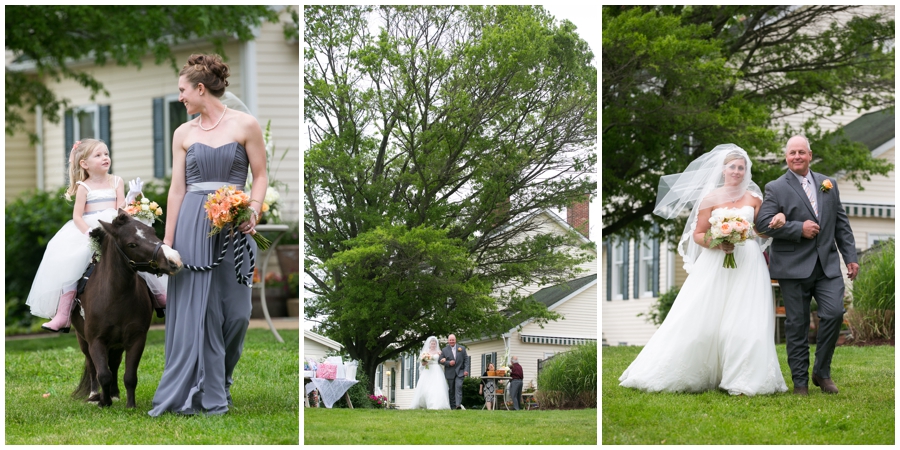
column 432, row 391
column 719, row 333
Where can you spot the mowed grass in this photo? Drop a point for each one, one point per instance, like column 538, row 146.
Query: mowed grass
column 266, row 397
column 862, row 413
column 472, row 427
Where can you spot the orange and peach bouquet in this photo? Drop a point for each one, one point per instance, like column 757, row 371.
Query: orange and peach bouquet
column 229, row 205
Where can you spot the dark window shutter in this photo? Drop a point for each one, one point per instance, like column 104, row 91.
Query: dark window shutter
column 637, row 267
column 484, row 362
column 159, row 144
column 493, row 360
column 381, row 375
column 402, row 371
column 609, row 258
column 105, row 136
column 625, row 270
column 469, row 364
column 69, row 142
column 418, row 366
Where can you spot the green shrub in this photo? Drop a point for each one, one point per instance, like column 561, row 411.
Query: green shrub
column 569, row 380
column 471, row 399
column 660, row 309
column 359, row 396
column 31, row 221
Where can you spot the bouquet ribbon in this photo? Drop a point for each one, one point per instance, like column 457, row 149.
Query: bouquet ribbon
column 241, row 244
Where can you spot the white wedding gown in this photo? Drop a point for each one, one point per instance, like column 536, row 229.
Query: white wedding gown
column 720, row 331
column 432, row 391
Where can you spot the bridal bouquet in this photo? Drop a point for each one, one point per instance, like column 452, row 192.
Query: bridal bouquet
column 229, row 205
column 425, row 358
column 144, row 210
column 733, row 229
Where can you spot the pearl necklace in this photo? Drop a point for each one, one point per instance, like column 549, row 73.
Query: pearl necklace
column 217, row 122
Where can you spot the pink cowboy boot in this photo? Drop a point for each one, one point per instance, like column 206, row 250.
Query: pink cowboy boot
column 60, row 322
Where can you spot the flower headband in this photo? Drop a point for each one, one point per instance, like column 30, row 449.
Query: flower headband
column 72, row 152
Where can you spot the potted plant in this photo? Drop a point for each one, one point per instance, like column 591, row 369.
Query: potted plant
column 288, row 250
column 276, row 296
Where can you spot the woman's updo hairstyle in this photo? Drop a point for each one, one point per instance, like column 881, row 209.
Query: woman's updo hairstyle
column 209, row 70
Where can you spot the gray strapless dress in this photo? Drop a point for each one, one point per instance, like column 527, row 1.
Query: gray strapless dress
column 207, row 312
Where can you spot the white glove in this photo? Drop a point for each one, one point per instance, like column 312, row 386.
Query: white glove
column 134, row 188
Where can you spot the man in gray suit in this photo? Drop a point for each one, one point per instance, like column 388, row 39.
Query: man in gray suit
column 453, row 358
column 804, row 259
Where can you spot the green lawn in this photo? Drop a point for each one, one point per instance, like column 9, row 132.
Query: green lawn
column 266, row 397
column 474, row 427
column 862, row 413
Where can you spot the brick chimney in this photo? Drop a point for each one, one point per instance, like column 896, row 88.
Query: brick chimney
column 577, row 215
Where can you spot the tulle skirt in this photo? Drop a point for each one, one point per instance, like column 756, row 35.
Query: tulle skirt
column 67, row 256
column 718, row 334
column 432, row 391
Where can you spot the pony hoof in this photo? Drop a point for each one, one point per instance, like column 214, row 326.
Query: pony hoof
column 115, row 397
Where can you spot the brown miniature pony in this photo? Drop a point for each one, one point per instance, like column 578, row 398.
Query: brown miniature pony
column 116, row 306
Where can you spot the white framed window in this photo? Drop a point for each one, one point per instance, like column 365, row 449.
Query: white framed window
column 86, row 122
column 875, row 238
column 646, row 267
column 175, row 114
column 618, row 269
column 411, row 371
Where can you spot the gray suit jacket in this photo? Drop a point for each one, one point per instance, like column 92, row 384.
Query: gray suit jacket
column 791, row 256
column 459, row 368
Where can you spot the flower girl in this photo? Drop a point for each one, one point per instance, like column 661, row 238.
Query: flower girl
column 97, row 197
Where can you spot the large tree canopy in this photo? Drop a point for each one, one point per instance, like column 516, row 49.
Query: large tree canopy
column 679, row 80
column 432, row 139
column 52, row 37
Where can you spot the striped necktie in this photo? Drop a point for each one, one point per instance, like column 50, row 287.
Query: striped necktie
column 809, row 194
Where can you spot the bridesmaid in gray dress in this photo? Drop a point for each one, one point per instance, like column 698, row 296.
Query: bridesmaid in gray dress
column 207, row 312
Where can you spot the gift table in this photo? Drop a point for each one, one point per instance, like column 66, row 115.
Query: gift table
column 330, row 391
column 503, row 386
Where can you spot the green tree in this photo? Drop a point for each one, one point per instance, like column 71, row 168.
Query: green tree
column 431, row 141
column 679, row 80
column 53, row 37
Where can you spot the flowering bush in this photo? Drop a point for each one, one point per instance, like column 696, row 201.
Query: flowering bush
column 379, row 401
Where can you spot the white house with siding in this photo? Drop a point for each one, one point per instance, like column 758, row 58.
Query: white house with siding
column 575, row 300
column 141, row 112
column 317, row 346
column 637, row 271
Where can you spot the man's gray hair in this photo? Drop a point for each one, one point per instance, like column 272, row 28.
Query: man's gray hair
column 515, row 359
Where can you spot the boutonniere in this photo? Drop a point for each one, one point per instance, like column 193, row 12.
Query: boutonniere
column 459, row 349
column 826, row 186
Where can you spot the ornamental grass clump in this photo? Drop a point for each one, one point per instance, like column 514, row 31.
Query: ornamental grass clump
column 569, row 380
column 871, row 316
